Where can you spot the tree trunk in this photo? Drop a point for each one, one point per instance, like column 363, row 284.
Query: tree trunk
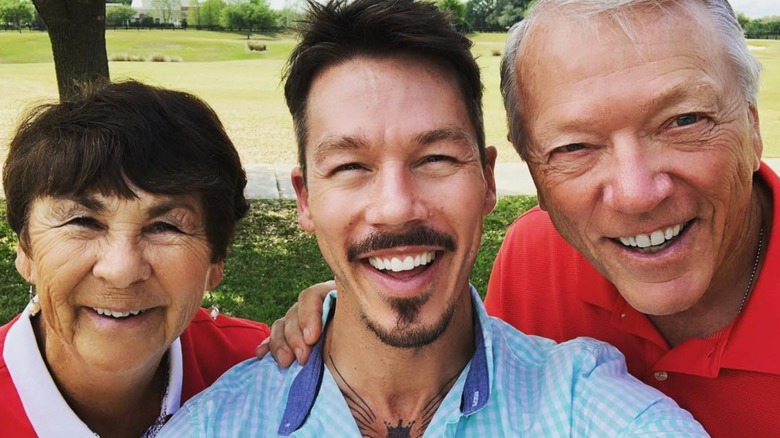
column 77, row 30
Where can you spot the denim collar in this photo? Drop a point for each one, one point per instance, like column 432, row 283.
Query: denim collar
column 306, row 385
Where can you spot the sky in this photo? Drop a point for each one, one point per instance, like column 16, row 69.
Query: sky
column 751, row 8
column 756, row 8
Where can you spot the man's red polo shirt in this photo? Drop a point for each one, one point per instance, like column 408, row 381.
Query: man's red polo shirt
column 729, row 381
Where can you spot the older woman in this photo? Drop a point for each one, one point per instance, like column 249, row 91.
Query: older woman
column 124, row 203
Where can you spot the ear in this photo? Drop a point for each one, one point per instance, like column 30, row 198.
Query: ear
column 302, row 200
column 758, row 143
column 24, row 265
column 490, row 179
column 215, row 275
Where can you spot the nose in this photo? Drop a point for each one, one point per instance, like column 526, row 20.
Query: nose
column 395, row 198
column 122, row 262
column 637, row 181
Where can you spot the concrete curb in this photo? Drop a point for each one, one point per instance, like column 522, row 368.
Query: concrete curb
column 272, row 181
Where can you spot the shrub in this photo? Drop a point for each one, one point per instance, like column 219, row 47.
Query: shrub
column 256, row 46
column 157, row 57
column 495, row 52
column 124, row 57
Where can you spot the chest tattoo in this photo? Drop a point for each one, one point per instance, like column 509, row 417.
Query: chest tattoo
column 371, row 426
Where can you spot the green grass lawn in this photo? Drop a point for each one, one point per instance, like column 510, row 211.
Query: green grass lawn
column 245, row 87
column 271, row 261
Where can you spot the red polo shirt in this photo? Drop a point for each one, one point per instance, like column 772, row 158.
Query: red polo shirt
column 729, row 381
column 207, row 349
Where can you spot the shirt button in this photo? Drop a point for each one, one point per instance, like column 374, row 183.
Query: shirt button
column 661, row 376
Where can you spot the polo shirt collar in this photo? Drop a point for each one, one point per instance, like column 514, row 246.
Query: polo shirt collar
column 306, row 385
column 754, row 344
column 749, row 344
column 43, row 403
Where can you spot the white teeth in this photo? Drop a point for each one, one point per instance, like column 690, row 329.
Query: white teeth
column 655, row 238
column 408, row 263
column 106, row 312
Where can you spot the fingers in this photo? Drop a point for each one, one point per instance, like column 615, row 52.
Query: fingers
column 309, row 316
column 263, row 349
column 277, row 344
column 292, row 336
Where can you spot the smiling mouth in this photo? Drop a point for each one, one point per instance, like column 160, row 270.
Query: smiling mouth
column 655, row 241
column 116, row 314
column 406, row 265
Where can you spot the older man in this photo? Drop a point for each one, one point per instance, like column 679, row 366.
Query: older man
column 638, row 122
column 395, row 180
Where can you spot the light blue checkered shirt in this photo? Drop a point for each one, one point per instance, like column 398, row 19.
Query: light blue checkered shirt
column 515, row 385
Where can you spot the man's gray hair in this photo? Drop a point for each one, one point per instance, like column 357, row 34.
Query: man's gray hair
column 747, row 66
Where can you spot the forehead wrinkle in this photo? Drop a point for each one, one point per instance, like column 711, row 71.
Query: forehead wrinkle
column 338, row 143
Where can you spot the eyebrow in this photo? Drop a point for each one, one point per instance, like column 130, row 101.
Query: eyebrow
column 702, row 90
column 156, row 210
column 89, row 202
column 436, row 135
column 167, row 206
column 337, row 143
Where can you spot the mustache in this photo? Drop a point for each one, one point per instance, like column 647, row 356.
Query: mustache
column 419, row 235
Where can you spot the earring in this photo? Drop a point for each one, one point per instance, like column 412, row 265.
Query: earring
column 34, row 306
column 213, row 310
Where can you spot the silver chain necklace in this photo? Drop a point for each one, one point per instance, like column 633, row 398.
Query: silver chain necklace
column 753, row 272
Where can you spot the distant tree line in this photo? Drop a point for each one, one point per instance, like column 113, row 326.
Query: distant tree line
column 766, row 27
column 499, row 15
column 250, row 16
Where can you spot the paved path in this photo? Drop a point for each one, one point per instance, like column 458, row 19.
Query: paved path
column 272, row 181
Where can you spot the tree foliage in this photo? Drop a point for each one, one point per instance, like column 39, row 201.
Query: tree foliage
column 166, row 10
column 119, row 15
column 760, row 27
column 207, row 13
column 457, row 11
column 17, row 12
column 256, row 15
column 494, row 15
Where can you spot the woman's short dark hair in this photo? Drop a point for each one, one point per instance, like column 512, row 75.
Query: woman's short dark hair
column 339, row 30
column 117, row 135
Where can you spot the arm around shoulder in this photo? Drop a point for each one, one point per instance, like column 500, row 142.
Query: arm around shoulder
column 608, row 401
